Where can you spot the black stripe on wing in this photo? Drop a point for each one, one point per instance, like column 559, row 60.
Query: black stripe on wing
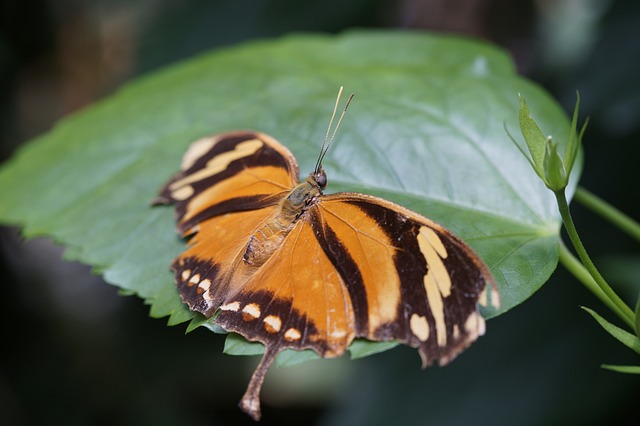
column 346, row 266
column 230, row 154
column 439, row 319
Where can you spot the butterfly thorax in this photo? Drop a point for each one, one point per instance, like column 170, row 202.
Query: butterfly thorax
column 269, row 237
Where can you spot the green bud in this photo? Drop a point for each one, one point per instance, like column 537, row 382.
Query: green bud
column 556, row 177
column 544, row 157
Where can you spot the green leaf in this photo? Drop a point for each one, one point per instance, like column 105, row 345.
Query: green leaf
column 628, row 369
column 425, row 130
column 237, row 345
column 626, row 338
column 637, row 317
column 575, row 139
column 535, row 139
column 361, row 348
column 290, row 357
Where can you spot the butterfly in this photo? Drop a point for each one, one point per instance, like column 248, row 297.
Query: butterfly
column 279, row 262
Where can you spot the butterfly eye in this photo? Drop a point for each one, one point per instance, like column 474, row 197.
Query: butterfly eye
column 321, row 179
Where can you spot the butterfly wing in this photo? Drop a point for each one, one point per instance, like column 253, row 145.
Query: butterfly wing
column 230, row 172
column 211, row 269
column 410, row 279
column 359, row 266
column 227, row 187
column 297, row 299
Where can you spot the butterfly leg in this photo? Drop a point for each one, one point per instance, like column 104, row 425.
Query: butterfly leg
column 250, row 402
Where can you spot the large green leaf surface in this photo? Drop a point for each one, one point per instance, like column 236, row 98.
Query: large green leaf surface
column 426, row 130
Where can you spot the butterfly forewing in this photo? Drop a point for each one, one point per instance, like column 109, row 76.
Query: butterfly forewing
column 229, row 172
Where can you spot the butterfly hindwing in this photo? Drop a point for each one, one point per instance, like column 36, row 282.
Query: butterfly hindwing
column 295, row 300
column 206, row 273
column 417, row 283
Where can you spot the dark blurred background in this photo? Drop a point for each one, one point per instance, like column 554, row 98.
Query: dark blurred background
column 76, row 352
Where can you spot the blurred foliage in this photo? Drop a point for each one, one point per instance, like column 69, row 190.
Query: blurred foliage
column 77, row 353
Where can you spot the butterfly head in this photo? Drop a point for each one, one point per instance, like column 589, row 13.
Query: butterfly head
column 318, row 178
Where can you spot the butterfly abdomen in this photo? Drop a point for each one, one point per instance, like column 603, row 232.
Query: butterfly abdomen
column 264, row 243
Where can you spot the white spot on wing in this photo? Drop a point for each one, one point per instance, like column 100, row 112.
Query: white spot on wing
column 437, row 308
column 182, row 193
column 272, row 323
column 482, row 300
column 194, row 280
column 196, row 150
column 437, row 281
column 233, row 307
column 205, row 284
column 292, row 334
column 489, row 296
column 252, row 309
column 495, row 298
column 220, row 162
column 419, row 327
column 475, row 324
column 434, row 251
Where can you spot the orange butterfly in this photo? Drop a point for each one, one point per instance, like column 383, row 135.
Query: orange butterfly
column 278, row 262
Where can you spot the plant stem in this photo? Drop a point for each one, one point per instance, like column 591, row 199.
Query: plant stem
column 578, row 270
column 605, row 291
column 607, row 211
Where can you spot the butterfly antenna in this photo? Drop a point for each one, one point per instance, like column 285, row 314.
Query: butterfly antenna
column 327, row 141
